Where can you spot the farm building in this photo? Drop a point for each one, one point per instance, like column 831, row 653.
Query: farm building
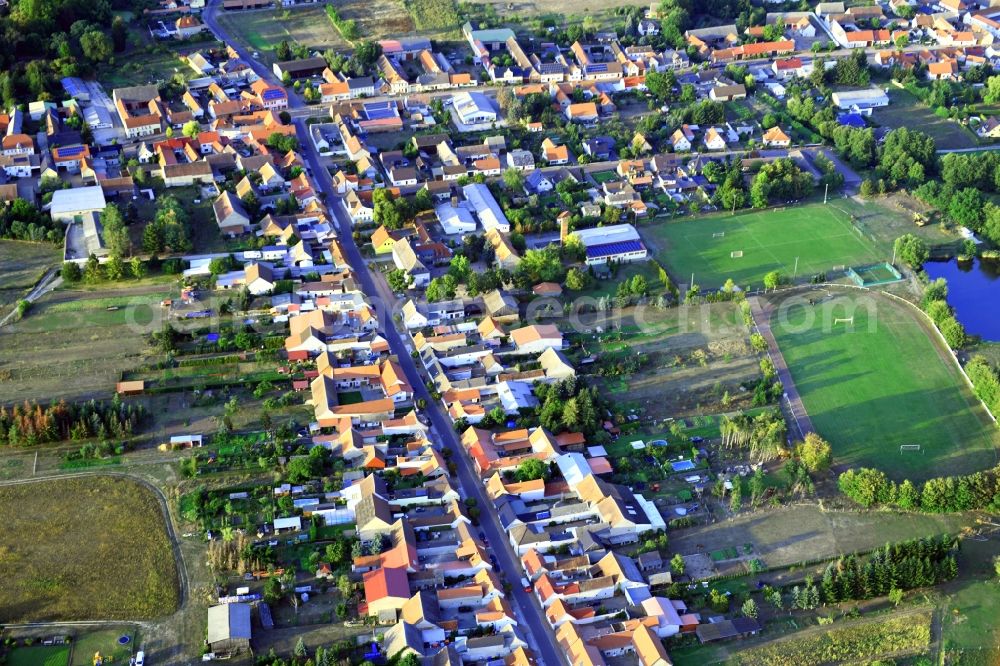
column 299, row 69
column 619, row 243
column 229, row 628
column 860, row 101
column 77, row 201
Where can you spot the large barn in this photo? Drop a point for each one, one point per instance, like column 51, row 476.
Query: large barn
column 619, row 243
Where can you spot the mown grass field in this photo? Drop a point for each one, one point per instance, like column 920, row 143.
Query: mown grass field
column 84, row 548
column 820, row 237
column 881, row 384
column 39, row 656
column 905, row 110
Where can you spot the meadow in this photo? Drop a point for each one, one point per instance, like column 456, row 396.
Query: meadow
column 899, row 634
column 23, row 263
column 880, row 383
column 818, row 237
column 85, row 548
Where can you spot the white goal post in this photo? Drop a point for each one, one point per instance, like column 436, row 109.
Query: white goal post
column 849, row 321
column 719, row 234
column 736, row 254
column 910, row 447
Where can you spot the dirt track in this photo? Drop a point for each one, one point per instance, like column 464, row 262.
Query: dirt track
column 762, row 317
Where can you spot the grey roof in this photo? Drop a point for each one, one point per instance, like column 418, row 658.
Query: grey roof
column 401, row 636
column 228, row 621
column 77, row 198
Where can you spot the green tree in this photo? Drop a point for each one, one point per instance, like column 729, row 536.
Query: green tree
column 513, row 179
column 991, row 93
column 576, row 279
column 531, row 469
column 749, row 608
column 912, row 250
column 115, row 234
column 96, row 46
column 191, row 129
column 895, row 596
column 137, row 268
column 300, row 651
column 70, row 272
column 114, row 268
column 272, row 590
column 815, row 453
column 677, row 564
column 771, row 280
column 344, row 585
column 398, row 280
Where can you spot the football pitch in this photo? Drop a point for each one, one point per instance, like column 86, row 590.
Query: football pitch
column 748, row 245
column 880, row 380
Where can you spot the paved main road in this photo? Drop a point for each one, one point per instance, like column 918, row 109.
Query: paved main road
column 532, row 623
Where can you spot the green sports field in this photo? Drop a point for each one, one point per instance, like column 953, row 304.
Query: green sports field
column 883, row 384
column 820, row 236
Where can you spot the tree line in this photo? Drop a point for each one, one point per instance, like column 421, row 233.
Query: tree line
column 900, row 566
column 870, row 487
column 985, row 382
column 29, row 423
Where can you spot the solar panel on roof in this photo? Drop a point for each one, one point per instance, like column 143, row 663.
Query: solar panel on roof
column 609, row 249
column 598, row 67
column 70, row 151
column 274, row 93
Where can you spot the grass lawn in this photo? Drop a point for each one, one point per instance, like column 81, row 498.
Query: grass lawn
column 105, row 642
column 883, row 384
column 905, row 110
column 349, row 397
column 624, row 272
column 39, row 656
column 604, row 176
column 84, row 548
column 819, row 236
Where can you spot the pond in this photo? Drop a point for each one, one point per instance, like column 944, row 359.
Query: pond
column 974, row 293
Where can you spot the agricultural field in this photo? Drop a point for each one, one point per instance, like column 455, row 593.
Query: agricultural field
column 71, row 345
column 748, row 245
column 98, row 550
column 905, row 110
column 880, row 383
column 23, row 263
column 692, row 357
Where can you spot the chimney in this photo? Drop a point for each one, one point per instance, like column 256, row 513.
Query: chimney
column 563, row 226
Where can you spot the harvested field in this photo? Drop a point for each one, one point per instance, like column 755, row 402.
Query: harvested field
column 72, row 346
column 793, row 534
column 98, row 549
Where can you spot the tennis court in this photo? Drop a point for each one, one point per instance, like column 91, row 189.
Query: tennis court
column 748, row 245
